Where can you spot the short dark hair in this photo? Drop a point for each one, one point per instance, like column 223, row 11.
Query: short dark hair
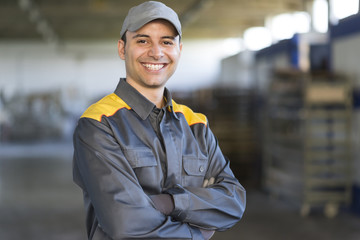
column 124, row 37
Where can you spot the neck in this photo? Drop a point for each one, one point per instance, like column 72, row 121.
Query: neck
column 156, row 98
column 154, row 95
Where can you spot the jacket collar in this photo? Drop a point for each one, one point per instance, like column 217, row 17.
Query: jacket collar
column 140, row 104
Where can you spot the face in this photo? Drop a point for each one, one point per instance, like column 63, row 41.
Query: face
column 151, row 54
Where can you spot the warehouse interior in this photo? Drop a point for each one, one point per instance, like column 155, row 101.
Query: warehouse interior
column 278, row 80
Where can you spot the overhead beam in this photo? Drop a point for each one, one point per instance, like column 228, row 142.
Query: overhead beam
column 194, row 11
column 35, row 16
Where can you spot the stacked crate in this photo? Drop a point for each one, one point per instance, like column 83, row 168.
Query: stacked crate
column 308, row 140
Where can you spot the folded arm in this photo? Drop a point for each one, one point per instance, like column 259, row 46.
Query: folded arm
column 122, row 208
column 220, row 202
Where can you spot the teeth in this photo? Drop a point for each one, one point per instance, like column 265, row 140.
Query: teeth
column 154, row 67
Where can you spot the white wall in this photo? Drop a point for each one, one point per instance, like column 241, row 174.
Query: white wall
column 36, row 67
column 346, row 56
column 238, row 70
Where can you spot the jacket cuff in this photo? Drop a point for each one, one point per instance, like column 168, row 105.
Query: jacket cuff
column 181, row 202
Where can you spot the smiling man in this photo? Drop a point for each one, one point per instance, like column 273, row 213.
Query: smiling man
column 150, row 168
column 151, row 56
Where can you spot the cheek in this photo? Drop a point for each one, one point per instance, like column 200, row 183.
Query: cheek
column 136, row 55
column 175, row 55
column 130, row 58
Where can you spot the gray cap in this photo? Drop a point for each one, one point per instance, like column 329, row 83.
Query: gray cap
column 144, row 13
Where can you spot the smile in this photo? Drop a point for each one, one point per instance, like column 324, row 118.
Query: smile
column 153, row 67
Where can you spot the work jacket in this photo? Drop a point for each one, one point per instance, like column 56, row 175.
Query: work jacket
column 120, row 160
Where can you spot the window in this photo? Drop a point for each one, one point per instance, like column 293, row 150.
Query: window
column 320, row 16
column 344, row 8
column 256, row 38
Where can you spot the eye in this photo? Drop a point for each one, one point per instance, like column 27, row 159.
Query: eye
column 168, row 43
column 141, row 41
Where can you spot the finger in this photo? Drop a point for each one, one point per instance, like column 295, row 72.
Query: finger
column 211, row 181
column 205, row 183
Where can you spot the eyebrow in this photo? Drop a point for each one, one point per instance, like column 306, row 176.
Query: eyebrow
column 140, row 35
column 147, row 36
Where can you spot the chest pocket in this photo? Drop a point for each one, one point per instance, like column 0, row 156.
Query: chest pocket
column 194, row 171
column 140, row 157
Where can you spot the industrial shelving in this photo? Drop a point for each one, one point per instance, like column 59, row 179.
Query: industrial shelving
column 307, row 140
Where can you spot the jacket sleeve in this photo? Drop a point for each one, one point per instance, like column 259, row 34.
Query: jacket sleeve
column 121, row 207
column 218, row 206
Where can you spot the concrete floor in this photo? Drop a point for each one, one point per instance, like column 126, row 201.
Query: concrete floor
column 38, row 200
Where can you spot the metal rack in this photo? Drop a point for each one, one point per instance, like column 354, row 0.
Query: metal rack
column 327, row 145
column 307, row 140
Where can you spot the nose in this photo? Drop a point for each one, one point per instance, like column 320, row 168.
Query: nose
column 156, row 51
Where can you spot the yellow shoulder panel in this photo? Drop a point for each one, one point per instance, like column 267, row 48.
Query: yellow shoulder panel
column 107, row 106
column 190, row 116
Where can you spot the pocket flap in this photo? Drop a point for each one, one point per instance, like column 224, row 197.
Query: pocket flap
column 194, row 166
column 140, row 157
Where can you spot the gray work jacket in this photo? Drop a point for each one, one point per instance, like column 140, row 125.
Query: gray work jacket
column 119, row 161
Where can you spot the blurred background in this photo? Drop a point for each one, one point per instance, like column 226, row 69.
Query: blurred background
column 279, row 81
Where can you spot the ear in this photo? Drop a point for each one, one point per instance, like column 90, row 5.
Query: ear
column 121, row 49
column 181, row 45
column 180, row 48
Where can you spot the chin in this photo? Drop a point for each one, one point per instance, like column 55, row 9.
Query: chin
column 155, row 83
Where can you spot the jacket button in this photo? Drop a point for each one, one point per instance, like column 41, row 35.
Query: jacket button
column 201, row 168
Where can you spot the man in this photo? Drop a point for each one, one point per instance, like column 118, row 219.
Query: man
column 149, row 167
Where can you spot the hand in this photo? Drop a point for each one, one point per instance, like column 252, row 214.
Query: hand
column 208, row 182
column 207, row 234
column 163, row 203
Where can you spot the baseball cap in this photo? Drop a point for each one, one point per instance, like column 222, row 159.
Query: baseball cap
column 144, row 13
